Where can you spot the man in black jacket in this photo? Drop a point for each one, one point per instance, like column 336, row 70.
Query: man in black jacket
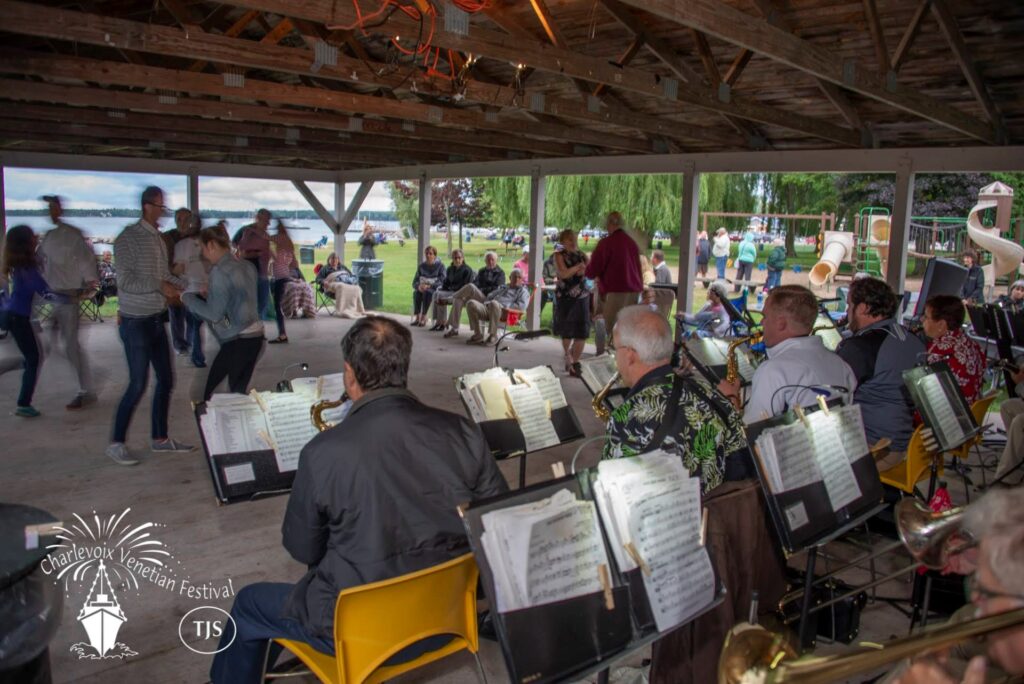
column 488, row 279
column 374, row 497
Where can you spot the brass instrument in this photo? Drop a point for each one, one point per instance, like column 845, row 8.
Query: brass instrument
column 732, row 366
column 316, row 412
column 752, row 653
column 597, row 403
column 922, row 532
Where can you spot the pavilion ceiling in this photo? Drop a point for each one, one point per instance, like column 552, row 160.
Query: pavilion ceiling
column 351, row 84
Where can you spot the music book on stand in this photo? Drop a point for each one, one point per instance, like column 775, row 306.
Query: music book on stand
column 252, row 441
column 518, row 410
column 942, row 405
column 816, row 471
column 712, row 353
column 588, row 567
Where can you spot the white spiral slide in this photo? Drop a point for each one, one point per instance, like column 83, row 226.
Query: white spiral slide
column 1007, row 255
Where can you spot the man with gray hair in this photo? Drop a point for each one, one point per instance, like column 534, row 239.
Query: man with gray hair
column 512, row 297
column 996, row 585
column 488, row 279
column 699, row 425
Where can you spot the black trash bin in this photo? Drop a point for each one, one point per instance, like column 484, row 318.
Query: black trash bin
column 371, row 278
column 307, row 255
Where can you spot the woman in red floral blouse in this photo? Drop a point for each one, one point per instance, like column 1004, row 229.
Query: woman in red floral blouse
column 943, row 324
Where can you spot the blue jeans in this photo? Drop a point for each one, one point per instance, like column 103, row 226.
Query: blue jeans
column 24, row 336
column 145, row 343
column 262, row 296
column 774, row 279
column 720, row 265
column 178, row 316
column 194, row 331
column 257, row 614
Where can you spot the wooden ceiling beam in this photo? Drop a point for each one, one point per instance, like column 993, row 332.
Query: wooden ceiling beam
column 566, row 62
column 660, row 48
column 706, row 58
column 739, row 63
column 903, row 47
column 626, row 58
column 35, row 20
column 877, row 36
column 948, row 25
column 729, row 24
column 283, row 94
column 84, row 96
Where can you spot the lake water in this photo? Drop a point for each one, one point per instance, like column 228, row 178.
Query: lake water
column 106, row 228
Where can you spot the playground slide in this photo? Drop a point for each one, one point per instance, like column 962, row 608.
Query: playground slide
column 838, row 248
column 1007, row 255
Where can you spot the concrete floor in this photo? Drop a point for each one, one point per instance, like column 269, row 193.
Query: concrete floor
column 56, row 462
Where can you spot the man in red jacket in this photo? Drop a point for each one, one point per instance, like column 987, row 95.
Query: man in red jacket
column 615, row 264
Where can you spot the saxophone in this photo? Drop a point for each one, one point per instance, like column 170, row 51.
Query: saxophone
column 600, row 408
column 316, row 412
column 732, row 365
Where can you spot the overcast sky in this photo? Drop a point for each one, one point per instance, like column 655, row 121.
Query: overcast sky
column 83, row 190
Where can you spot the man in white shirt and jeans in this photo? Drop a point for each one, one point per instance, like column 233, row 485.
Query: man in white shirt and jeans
column 69, row 266
column 189, row 262
column 799, row 368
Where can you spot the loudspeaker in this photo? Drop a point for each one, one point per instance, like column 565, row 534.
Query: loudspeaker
column 941, row 276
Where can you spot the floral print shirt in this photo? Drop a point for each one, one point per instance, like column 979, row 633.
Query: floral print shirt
column 699, row 435
column 964, row 357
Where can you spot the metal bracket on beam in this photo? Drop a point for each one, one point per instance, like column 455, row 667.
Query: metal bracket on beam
column 156, row 144
column 167, row 97
column 234, row 79
column 435, row 114
column 724, row 92
column 757, row 142
column 455, row 20
column 867, row 138
column 409, row 127
column 593, row 104
column 241, row 141
column 670, row 87
column 323, row 53
column 537, row 102
column 117, row 114
column 355, row 124
column 291, row 136
column 582, row 150
column 891, row 82
column 491, row 117
column 849, row 71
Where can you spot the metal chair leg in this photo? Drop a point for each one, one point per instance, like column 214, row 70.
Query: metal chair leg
column 480, row 668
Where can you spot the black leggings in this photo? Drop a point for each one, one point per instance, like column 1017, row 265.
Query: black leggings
column 421, row 301
column 280, row 285
column 236, row 361
column 25, row 337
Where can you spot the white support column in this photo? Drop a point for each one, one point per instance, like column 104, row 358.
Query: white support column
column 687, row 238
column 538, row 186
column 423, row 227
column 339, row 211
column 3, row 204
column 193, row 190
column 899, row 229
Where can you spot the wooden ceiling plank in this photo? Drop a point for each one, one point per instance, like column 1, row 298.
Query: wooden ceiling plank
column 25, row 18
column 903, row 47
column 734, row 26
column 84, row 96
column 877, row 36
column 962, row 54
column 255, row 90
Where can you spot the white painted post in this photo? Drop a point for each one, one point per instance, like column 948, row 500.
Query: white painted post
column 423, row 227
column 3, row 205
column 193, row 191
column 899, row 228
column 339, row 211
column 687, row 238
column 538, row 186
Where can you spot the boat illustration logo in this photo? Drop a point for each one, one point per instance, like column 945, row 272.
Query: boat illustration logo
column 102, row 617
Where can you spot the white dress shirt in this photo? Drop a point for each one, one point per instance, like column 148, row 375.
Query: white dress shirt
column 781, row 381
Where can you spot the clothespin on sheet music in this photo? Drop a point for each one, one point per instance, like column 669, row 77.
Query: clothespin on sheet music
column 259, row 400
column 799, row 411
column 268, row 439
column 558, row 468
column 606, row 586
column 703, row 526
column 824, row 406
column 635, row 555
column 319, row 387
column 928, row 437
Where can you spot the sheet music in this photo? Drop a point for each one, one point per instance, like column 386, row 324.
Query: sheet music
column 651, row 502
column 533, row 414
column 233, row 427
column 791, row 457
column 544, row 551
column 840, row 482
column 850, row 424
column 945, row 420
column 289, row 426
column 546, row 383
column 597, row 371
column 331, row 386
column 306, row 387
column 706, row 351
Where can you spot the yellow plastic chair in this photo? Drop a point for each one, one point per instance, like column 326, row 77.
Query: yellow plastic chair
column 373, row 622
column 914, row 468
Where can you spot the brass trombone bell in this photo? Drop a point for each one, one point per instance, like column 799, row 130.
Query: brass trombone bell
column 924, row 533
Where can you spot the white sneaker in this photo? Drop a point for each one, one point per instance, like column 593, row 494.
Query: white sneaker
column 120, row 455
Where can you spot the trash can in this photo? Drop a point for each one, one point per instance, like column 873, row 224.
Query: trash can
column 307, row 255
column 371, row 278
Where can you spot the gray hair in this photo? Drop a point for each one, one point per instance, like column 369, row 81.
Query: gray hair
column 490, row 253
column 515, row 272
column 998, row 519
column 1015, row 284
column 720, row 288
column 646, row 332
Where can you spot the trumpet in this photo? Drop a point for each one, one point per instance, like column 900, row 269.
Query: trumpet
column 317, row 411
column 597, row 403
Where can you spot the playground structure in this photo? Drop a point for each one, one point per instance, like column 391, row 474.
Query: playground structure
column 866, row 247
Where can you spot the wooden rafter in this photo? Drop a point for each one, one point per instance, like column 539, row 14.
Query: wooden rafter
column 947, row 22
column 627, row 57
column 34, row 20
column 739, row 63
column 741, row 29
column 706, row 58
column 877, row 36
column 903, row 47
column 660, row 48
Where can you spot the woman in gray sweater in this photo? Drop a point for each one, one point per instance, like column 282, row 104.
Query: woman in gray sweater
column 229, row 307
